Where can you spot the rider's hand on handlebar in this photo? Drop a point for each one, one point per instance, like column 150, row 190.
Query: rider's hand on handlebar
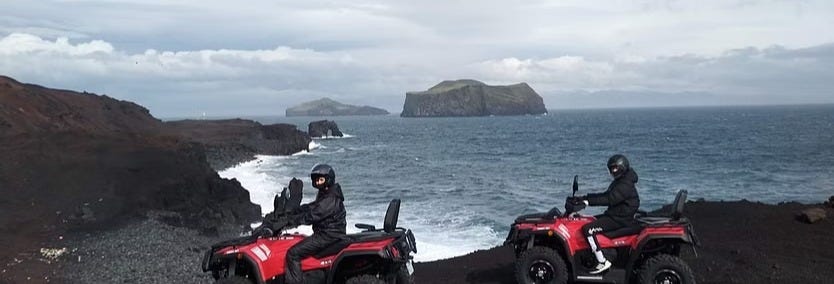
column 574, row 200
column 263, row 231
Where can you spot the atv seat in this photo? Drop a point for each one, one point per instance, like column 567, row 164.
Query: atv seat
column 632, row 229
column 674, row 214
column 539, row 217
column 531, row 218
column 370, row 233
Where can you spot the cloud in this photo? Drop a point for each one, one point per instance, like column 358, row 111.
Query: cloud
column 749, row 75
column 265, row 81
column 226, row 58
column 201, row 78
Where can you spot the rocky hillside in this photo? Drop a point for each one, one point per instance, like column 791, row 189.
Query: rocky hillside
column 473, row 98
column 76, row 160
column 328, row 107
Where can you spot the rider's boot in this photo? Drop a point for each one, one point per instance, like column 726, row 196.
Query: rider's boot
column 603, row 264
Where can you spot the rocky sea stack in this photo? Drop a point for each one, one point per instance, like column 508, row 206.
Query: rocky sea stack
column 328, row 107
column 324, row 128
column 473, row 98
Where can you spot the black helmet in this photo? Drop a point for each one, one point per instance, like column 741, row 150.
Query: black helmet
column 617, row 165
column 323, row 170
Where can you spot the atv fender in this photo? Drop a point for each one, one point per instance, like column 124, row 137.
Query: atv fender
column 682, row 237
column 231, row 261
column 350, row 256
column 527, row 238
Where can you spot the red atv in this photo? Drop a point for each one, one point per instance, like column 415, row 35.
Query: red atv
column 372, row 256
column 550, row 247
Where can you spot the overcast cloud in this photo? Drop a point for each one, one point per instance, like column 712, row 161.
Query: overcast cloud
column 182, row 58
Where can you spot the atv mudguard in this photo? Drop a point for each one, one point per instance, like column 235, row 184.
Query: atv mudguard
column 526, row 239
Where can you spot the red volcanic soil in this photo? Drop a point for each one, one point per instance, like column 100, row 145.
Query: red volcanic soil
column 742, row 242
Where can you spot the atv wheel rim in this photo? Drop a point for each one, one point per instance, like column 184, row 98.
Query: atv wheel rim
column 667, row 276
column 541, row 271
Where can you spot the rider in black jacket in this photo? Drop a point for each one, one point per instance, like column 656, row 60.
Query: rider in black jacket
column 622, row 201
column 326, row 214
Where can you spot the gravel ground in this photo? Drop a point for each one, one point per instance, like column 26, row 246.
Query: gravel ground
column 148, row 251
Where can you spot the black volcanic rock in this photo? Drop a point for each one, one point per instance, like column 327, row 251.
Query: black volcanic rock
column 73, row 160
column 328, row 107
column 473, row 98
column 321, row 128
column 232, row 141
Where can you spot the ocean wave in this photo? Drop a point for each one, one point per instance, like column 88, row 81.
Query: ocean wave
column 256, row 177
column 344, row 136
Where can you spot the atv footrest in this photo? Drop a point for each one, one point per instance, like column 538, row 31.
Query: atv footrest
column 613, row 275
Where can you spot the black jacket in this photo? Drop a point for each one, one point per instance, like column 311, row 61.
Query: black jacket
column 326, row 213
column 621, row 198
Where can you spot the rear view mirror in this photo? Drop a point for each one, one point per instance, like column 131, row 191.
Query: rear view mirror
column 575, row 184
column 280, row 201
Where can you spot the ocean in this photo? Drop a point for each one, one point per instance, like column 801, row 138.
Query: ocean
column 462, row 181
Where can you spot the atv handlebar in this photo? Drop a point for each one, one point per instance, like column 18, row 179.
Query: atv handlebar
column 573, row 205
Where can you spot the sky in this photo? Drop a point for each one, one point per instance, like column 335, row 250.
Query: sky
column 258, row 57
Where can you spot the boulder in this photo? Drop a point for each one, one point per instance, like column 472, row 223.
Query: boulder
column 323, row 128
column 812, row 215
column 473, row 98
column 329, row 107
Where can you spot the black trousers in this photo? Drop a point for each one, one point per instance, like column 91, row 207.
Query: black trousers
column 602, row 224
column 307, row 247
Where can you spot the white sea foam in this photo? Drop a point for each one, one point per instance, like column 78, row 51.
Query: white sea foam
column 313, row 145
column 344, row 135
column 440, row 233
column 253, row 176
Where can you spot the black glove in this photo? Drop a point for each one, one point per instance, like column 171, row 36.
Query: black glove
column 293, row 220
column 575, row 200
column 276, row 223
column 574, row 203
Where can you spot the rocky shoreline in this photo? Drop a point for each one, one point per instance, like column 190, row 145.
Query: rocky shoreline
column 742, row 242
column 233, row 141
column 80, row 162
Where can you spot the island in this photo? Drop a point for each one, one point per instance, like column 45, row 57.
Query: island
column 473, row 98
column 329, row 107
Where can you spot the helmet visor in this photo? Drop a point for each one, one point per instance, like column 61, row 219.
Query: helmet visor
column 614, row 169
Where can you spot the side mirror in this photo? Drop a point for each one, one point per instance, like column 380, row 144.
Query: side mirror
column 575, row 184
column 280, row 202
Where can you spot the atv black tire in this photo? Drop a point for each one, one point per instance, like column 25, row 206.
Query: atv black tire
column 403, row 277
column 234, row 280
column 540, row 265
column 364, row 279
column 665, row 268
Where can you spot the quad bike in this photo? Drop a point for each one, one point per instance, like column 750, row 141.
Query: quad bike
column 550, row 247
column 371, row 256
